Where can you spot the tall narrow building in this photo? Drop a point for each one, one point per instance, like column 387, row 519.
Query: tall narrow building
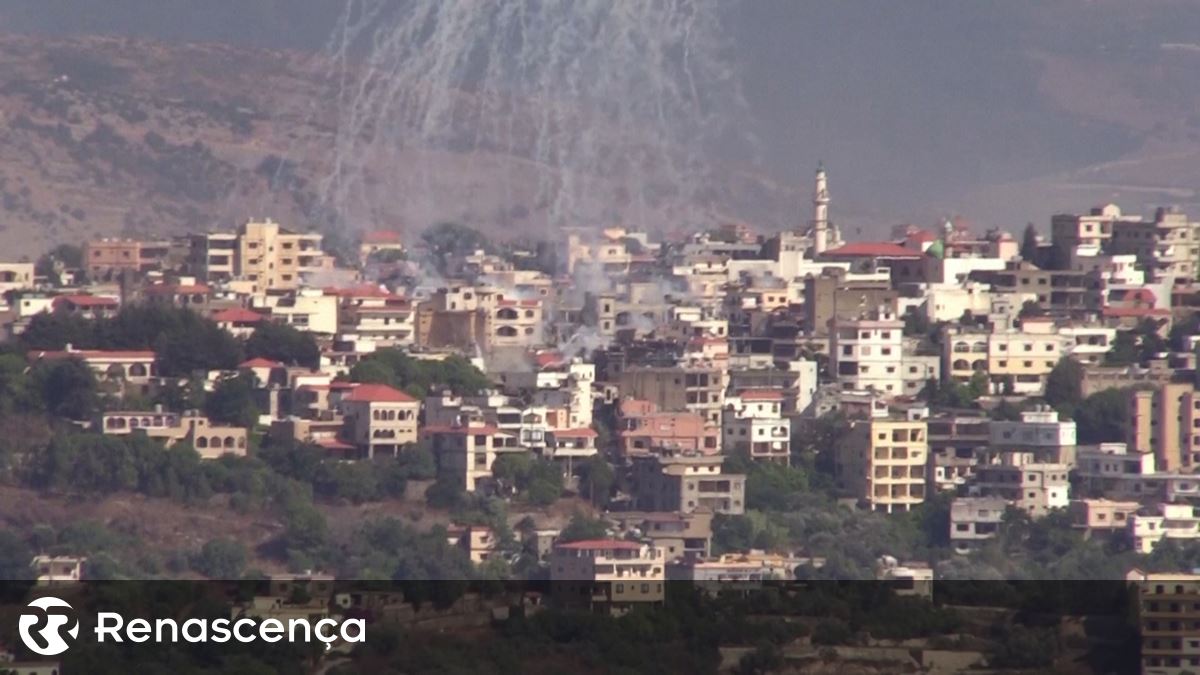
column 820, row 221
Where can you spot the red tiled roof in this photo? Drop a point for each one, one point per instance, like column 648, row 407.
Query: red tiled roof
column 333, row 444
column 86, row 301
column 259, row 363
column 237, row 315
column 378, row 393
column 547, row 358
column 600, row 545
column 921, row 236
column 381, row 237
column 873, row 249
column 584, row 432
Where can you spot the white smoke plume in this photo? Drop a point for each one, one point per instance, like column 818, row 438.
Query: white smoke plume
column 612, row 105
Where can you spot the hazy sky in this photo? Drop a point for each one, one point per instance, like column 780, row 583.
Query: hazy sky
column 912, row 105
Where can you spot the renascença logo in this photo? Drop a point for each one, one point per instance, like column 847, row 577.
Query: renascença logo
column 43, row 624
column 45, row 621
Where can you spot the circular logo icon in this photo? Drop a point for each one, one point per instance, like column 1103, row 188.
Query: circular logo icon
column 46, row 623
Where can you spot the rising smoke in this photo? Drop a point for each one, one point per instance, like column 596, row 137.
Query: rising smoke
column 579, row 112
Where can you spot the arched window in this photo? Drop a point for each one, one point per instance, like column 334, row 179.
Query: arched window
column 979, row 365
column 961, row 364
column 138, row 370
column 201, row 442
column 507, row 314
column 116, row 372
column 229, row 441
column 506, row 331
column 133, row 423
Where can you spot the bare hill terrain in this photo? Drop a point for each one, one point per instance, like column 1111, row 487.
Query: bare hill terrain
column 129, row 137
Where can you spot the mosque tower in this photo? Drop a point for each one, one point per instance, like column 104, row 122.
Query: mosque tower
column 820, row 221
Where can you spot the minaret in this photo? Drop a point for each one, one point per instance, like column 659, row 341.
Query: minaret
column 820, row 221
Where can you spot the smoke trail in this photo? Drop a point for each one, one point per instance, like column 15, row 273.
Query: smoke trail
column 583, row 112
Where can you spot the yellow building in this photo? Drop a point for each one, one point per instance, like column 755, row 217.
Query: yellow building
column 261, row 253
column 1166, row 422
column 881, row 463
column 275, row 258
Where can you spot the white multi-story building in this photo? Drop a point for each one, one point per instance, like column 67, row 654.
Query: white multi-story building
column 974, row 520
column 1040, row 434
column 1173, row 521
column 1088, row 344
column 868, row 353
column 306, row 309
column 1035, row 488
column 754, row 423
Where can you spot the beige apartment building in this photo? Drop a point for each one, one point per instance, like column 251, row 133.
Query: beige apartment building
column 1167, row 609
column 882, row 464
column 686, row 482
column 1168, row 247
column 379, row 419
column 607, row 574
column 1166, row 422
column 107, row 257
column 263, row 254
column 699, row 389
column 16, row 276
column 1015, row 361
column 210, row 440
column 275, row 258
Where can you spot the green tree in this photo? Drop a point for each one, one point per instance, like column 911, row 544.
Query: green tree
column 233, row 402
column 283, row 343
column 68, row 388
column 445, row 240
column 1103, row 417
column 1006, row 411
column 418, row 377
column 445, row 493
column 513, row 469
column 220, row 559
column 545, row 483
column 596, row 478
column 732, row 533
column 14, row 557
column 1064, row 384
column 17, row 392
column 63, row 256
column 582, row 527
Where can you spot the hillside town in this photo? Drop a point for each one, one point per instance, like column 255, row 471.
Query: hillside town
column 719, row 405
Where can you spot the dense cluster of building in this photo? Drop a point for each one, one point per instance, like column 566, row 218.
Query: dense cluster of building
column 695, row 349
